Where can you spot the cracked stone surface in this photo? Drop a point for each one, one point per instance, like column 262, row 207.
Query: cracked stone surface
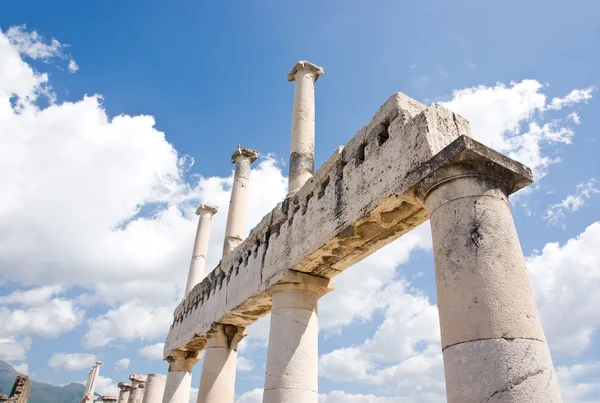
column 500, row 371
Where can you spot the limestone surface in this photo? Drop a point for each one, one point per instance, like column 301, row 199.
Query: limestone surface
column 361, row 199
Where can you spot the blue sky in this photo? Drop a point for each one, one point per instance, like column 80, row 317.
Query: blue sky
column 97, row 221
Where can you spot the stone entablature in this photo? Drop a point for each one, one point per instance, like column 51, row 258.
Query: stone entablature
column 360, row 199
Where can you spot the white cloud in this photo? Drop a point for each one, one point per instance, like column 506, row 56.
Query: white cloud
column 574, row 97
column 574, row 117
column 12, row 349
column 71, row 362
column 510, row 119
column 73, row 67
column 122, row 364
column 32, row 297
column 580, row 383
column 153, row 351
column 33, row 44
column 566, row 280
column 252, row 396
column 244, row 364
column 22, row 368
column 133, row 320
column 556, row 212
column 50, row 319
column 106, row 386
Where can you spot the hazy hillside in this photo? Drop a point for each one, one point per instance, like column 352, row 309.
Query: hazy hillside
column 40, row 392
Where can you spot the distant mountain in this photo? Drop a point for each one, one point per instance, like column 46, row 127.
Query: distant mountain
column 40, row 392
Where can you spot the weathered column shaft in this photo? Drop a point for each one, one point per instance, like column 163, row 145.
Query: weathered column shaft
column 217, row 381
column 138, row 384
column 94, row 378
column 238, row 204
column 87, row 384
column 302, row 153
column 124, row 393
column 155, row 388
column 179, row 379
column 198, row 264
column 493, row 343
column 292, row 358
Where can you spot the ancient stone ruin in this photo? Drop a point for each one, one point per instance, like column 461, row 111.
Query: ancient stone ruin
column 409, row 164
column 20, row 391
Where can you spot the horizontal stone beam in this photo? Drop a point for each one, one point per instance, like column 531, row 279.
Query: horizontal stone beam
column 359, row 200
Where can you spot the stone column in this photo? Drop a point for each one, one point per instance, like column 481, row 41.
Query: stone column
column 217, row 381
column 95, row 372
column 179, row 379
column 138, row 384
column 238, row 204
column 155, row 388
column 302, row 154
column 196, row 273
column 493, row 343
column 124, row 393
column 87, row 384
column 292, row 359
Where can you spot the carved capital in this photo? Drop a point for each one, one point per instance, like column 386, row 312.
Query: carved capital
column 303, row 65
column 245, row 153
column 208, row 208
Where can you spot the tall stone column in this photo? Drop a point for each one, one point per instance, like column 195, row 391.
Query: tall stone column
column 196, row 273
column 292, row 358
column 155, row 388
column 302, row 154
column 238, row 204
column 124, row 393
column 179, row 379
column 87, row 384
column 493, row 343
column 94, row 377
column 217, row 381
column 138, row 385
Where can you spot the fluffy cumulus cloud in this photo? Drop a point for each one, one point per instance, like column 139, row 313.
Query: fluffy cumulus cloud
column 565, row 279
column 12, row 349
column 38, row 311
column 516, row 119
column 71, row 362
column 580, row 382
column 106, row 386
column 153, row 351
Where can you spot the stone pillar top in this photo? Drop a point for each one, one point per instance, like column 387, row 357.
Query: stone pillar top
column 109, row 399
column 98, row 362
column 124, row 385
column 245, row 152
column 304, row 65
column 137, row 377
column 206, row 207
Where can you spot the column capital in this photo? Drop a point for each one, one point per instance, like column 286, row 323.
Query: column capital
column 137, row 378
column 180, row 360
column 221, row 334
column 464, row 158
column 306, row 66
column 295, row 280
column 124, row 385
column 240, row 151
column 208, row 208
